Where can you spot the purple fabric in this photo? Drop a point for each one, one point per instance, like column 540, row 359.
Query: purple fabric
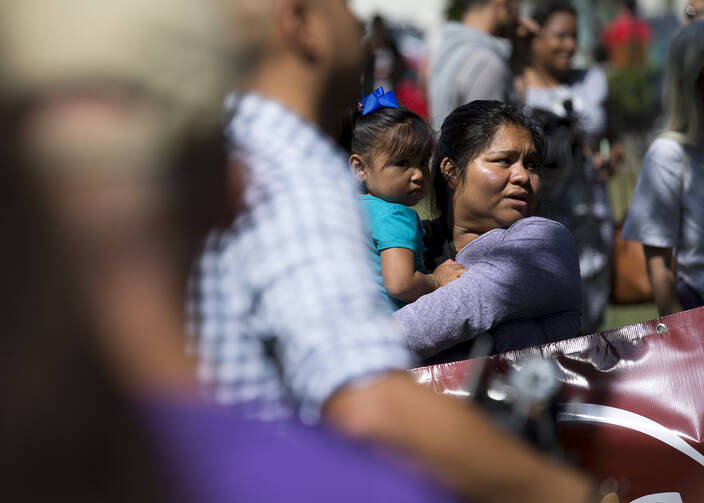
column 522, row 284
column 689, row 298
column 216, row 456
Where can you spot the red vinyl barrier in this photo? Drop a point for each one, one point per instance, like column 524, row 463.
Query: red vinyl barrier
column 632, row 403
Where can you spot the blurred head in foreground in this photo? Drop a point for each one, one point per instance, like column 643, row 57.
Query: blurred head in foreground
column 307, row 54
column 113, row 170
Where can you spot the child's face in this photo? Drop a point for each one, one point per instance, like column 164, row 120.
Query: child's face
column 404, row 179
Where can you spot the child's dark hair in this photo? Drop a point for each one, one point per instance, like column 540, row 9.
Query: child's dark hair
column 467, row 132
column 397, row 130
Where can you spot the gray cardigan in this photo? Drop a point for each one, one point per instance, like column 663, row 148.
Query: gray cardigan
column 522, row 284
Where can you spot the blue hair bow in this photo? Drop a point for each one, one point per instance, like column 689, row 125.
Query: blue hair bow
column 378, row 99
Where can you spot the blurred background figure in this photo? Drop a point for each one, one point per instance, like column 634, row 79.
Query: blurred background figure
column 384, row 65
column 665, row 212
column 471, row 61
column 574, row 111
column 393, row 61
column 114, row 168
column 627, row 37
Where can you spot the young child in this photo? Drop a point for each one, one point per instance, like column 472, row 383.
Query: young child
column 390, row 149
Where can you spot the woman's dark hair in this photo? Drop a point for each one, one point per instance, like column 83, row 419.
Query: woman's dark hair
column 395, row 131
column 466, row 133
column 545, row 11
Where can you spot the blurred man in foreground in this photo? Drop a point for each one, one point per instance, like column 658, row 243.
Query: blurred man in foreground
column 113, row 170
column 285, row 309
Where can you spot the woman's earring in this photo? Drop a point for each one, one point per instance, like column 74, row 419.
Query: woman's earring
column 447, row 168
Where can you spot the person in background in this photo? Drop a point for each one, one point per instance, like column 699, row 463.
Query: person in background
column 666, row 207
column 384, row 66
column 579, row 199
column 627, row 37
column 285, row 313
column 390, row 149
column 471, row 61
column 522, row 281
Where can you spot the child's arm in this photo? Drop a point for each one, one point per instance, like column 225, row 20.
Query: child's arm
column 404, row 283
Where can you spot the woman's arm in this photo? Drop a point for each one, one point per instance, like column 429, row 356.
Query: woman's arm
column 404, row 283
column 661, row 272
column 527, row 271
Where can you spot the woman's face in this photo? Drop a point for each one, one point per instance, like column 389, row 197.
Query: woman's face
column 556, row 42
column 500, row 185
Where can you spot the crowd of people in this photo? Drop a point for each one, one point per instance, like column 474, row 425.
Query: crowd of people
column 213, row 279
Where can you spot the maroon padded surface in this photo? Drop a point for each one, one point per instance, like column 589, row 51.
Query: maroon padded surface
column 617, row 385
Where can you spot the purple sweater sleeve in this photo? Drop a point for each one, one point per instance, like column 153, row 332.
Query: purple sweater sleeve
column 526, row 272
column 214, row 455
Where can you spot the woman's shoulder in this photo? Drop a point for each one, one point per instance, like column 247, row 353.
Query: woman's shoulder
column 667, row 144
column 525, row 237
column 538, row 227
column 665, row 151
column 534, row 233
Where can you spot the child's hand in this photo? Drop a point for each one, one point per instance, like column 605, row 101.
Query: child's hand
column 447, row 271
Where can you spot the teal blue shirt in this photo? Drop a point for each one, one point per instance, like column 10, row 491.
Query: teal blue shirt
column 392, row 225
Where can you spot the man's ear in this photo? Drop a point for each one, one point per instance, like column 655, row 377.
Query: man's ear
column 447, row 168
column 357, row 167
column 296, row 27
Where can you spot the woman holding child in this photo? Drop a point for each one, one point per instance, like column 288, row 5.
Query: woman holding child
column 522, row 282
column 496, row 268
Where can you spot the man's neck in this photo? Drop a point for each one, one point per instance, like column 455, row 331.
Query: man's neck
column 290, row 87
column 481, row 19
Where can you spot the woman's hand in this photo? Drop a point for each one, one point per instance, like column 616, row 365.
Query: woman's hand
column 661, row 272
column 448, row 271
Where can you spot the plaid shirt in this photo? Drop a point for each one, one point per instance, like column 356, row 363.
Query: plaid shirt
column 284, row 304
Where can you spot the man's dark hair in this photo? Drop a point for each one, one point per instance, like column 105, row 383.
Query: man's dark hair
column 631, row 5
column 543, row 12
column 467, row 132
column 456, row 8
column 471, row 4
